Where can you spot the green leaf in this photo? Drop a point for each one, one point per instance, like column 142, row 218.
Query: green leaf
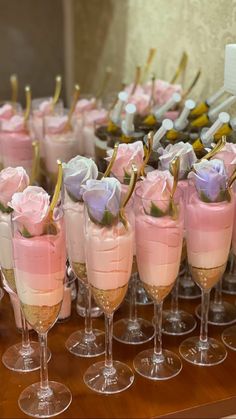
column 108, row 218
column 51, row 229
column 223, row 195
column 126, row 178
column 156, row 212
column 204, row 198
column 25, row 233
column 4, row 209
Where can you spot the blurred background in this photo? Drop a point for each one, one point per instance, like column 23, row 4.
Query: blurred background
column 80, row 38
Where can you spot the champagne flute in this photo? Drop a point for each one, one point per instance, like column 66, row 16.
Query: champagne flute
column 41, row 301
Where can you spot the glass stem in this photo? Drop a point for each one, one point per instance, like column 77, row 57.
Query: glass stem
column 88, row 317
column 175, row 298
column 25, row 343
column 45, row 390
column 218, row 293
column 132, row 304
column 109, row 369
column 204, row 319
column 158, row 331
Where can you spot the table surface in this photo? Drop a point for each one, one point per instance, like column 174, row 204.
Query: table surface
column 196, row 392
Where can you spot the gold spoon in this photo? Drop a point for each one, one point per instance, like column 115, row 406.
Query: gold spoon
column 221, row 143
column 57, row 189
column 192, row 85
column 136, row 79
column 28, row 103
column 72, row 107
column 174, row 170
column 148, row 152
column 35, row 165
column 57, row 92
column 113, row 157
column 132, row 183
column 151, row 55
column 14, row 87
column 181, row 67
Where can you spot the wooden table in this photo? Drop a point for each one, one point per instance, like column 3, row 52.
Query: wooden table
column 196, row 392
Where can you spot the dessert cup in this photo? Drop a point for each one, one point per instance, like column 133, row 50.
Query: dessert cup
column 81, row 303
column 158, row 247
column 109, row 255
column 87, row 342
column 133, row 330
column 209, row 232
column 40, row 289
column 23, row 356
column 229, row 278
column 188, row 290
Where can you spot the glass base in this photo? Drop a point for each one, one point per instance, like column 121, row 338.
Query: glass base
column 14, row 359
column 219, row 314
column 192, row 351
column 188, row 290
column 229, row 337
column 179, row 323
column 31, row 403
column 97, row 378
column 142, row 298
column 133, row 332
column 86, row 345
column 229, row 284
column 169, row 366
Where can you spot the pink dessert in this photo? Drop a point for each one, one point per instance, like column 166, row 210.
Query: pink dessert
column 209, row 232
column 65, row 311
column 6, row 111
column 162, row 91
column 40, row 268
column 109, row 255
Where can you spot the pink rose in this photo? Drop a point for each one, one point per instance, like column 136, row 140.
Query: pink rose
column 31, row 208
column 162, row 91
column 84, row 105
column 6, row 111
column 14, row 124
column 55, row 124
column 96, row 116
column 12, row 180
column 228, row 155
column 126, row 156
column 155, row 191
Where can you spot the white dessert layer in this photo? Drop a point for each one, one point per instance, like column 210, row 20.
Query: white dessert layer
column 208, row 249
column 158, row 275
column 74, row 220
column 59, row 146
column 37, row 295
column 6, row 259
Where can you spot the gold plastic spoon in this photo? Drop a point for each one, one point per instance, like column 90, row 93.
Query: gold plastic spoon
column 104, row 84
column 192, row 85
column 181, row 67
column 136, row 79
column 57, row 92
column 57, row 189
column 113, row 157
column 14, row 87
column 221, row 143
column 72, row 107
column 150, row 58
column 148, row 152
column 28, row 103
column 132, row 183
column 35, row 165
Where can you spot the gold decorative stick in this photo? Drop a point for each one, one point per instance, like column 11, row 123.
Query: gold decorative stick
column 136, row 79
column 174, row 169
column 35, row 165
column 28, row 103
column 192, row 85
column 73, row 105
column 113, row 157
column 151, row 55
column 57, row 92
column 14, row 87
column 123, row 86
column 232, row 179
column 104, row 84
column 148, row 152
column 133, row 180
column 181, row 67
column 57, row 189
column 221, row 143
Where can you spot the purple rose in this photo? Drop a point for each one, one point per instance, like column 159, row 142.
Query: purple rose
column 76, row 173
column 184, row 151
column 210, row 180
column 103, row 198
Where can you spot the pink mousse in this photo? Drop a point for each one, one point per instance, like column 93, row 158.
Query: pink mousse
column 109, row 254
column 209, row 232
column 158, row 248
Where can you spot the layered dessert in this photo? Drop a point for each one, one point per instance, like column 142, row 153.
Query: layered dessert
column 16, row 143
column 209, row 232
column 40, row 271
column 6, row 258
column 109, row 263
